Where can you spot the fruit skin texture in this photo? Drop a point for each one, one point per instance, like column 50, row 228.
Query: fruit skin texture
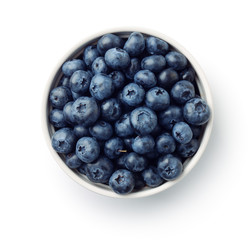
column 182, row 91
column 85, row 110
column 182, row 132
column 101, row 86
column 151, row 177
column 156, row 46
column 189, row 149
column 57, row 119
column 187, row 74
column 100, row 170
column 154, row 63
column 67, row 113
column 111, row 109
column 117, row 58
column 108, row 41
column 123, row 126
column 135, row 162
column 196, row 111
column 135, row 44
column 176, row 60
column 157, row 99
column 87, row 149
column 69, row 67
column 133, row 94
column 118, row 79
column 99, row 66
column 80, row 81
column 143, row 120
column 145, row 78
column 90, row 54
column 143, row 144
column 112, row 147
column 63, row 140
column 122, row 181
column 167, row 78
column 169, row 167
column 80, row 131
column 133, row 68
column 169, row 117
column 101, row 130
column 165, row 144
column 72, row 161
column 59, row 96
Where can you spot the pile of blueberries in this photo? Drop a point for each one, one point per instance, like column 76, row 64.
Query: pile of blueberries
column 127, row 112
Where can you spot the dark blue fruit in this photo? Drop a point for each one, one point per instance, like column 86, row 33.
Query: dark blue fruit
column 80, row 131
column 87, row 149
column 122, row 181
column 99, row 66
column 133, row 68
column 128, row 142
column 156, row 46
column 117, row 58
column 65, row 81
column 67, row 113
column 101, row 130
column 118, row 79
column 197, row 130
column 139, row 182
column 151, row 177
column 189, row 149
column 182, row 91
column 143, row 144
column 167, row 78
column 59, row 96
column 73, row 161
column 111, row 109
column 188, row 74
column 165, row 144
column 90, row 54
column 135, row 44
column 69, row 67
column 120, row 162
column 157, row 99
column 57, row 119
column 82, row 168
column 113, row 148
column 80, row 81
column 145, row 78
column 196, row 111
column 135, row 162
column 176, row 60
column 169, row 167
column 100, row 170
column 154, row 63
column 133, row 94
column 169, row 117
column 123, row 126
column 63, row 140
column 182, row 132
column 75, row 95
column 101, row 86
column 143, row 120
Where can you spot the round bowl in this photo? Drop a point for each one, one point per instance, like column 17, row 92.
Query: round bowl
column 101, row 188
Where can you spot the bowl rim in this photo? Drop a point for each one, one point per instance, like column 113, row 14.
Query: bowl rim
column 203, row 87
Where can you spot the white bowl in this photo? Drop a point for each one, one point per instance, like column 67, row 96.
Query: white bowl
column 101, row 188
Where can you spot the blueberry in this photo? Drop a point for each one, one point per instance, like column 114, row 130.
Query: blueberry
column 143, row 120
column 73, row 161
column 197, row 130
column 118, row 79
column 187, row 74
column 169, row 167
column 154, row 63
column 85, row 110
column 67, row 113
column 135, row 162
column 133, row 68
column 101, row 86
column 100, row 171
column 69, row 67
column 117, row 59
column 151, row 177
column 63, row 140
column 101, row 130
column 99, row 66
column 75, row 95
column 120, row 162
column 139, row 182
column 156, row 46
column 80, row 131
column 128, row 142
column 87, row 149
column 82, row 168
column 90, row 54
column 59, row 96
column 196, row 111
column 111, row 109
column 80, row 81
column 135, row 44
column 157, row 99
column 182, row 132
column 123, row 126
column 176, row 60
column 152, row 156
column 122, row 181
column 57, row 119
column 156, row 131
column 65, row 81
column 133, row 94
column 108, row 41
column 143, row 144
column 165, row 144
column 189, row 149
column 146, row 78
column 167, row 78
column 182, row 91
column 169, row 117
column 113, row 147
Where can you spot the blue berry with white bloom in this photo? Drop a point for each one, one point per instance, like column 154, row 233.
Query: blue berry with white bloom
column 182, row 132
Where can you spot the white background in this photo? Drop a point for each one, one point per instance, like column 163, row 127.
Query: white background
column 39, row 201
